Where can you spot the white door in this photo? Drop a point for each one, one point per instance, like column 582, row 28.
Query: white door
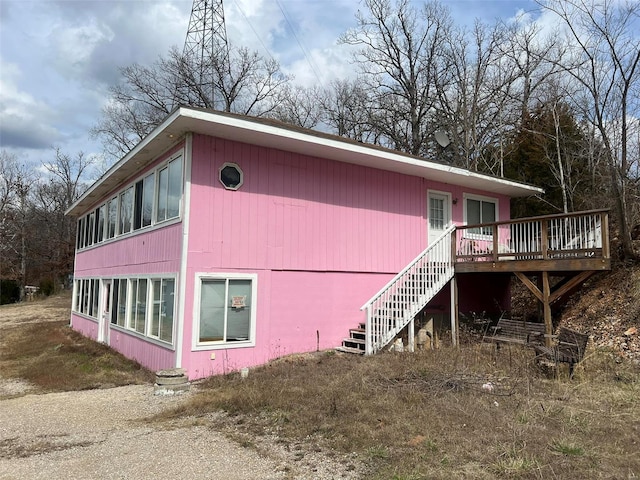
column 439, row 211
column 105, row 311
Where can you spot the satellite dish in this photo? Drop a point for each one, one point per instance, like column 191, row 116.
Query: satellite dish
column 442, row 138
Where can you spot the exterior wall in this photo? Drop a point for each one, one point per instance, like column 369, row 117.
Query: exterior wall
column 322, row 236
column 153, row 250
column 296, row 312
column 295, row 212
column 86, row 326
column 150, row 355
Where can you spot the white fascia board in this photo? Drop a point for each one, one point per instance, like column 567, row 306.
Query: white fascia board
column 315, row 144
column 320, row 145
column 148, row 148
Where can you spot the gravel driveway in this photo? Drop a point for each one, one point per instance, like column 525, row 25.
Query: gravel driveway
column 98, row 434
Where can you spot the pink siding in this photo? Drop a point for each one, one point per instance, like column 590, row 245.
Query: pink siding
column 152, row 356
column 156, row 251
column 295, row 312
column 323, row 237
column 296, row 212
column 88, row 328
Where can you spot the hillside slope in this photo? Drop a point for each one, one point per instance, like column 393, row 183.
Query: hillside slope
column 607, row 307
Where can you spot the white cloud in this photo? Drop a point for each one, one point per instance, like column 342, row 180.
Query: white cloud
column 24, row 121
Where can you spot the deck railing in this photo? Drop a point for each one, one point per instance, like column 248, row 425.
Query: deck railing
column 400, row 300
column 551, row 237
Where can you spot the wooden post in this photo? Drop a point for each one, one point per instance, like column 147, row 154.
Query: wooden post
column 544, row 238
column 454, row 312
column 412, row 335
column 546, row 294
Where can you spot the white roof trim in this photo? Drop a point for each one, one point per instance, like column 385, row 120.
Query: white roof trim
column 272, row 134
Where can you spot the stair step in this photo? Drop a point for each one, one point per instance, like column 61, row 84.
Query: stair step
column 356, row 351
column 358, row 333
column 353, row 342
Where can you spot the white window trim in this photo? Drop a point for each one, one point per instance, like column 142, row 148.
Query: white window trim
column 199, row 277
column 155, row 223
column 130, row 330
column 483, row 198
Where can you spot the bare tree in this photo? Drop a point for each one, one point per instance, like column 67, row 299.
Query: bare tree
column 346, row 110
column 402, row 64
column 243, row 82
column 17, row 185
column 605, row 48
column 299, row 106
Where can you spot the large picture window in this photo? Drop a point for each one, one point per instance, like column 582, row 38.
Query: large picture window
column 480, row 210
column 143, row 305
column 226, row 310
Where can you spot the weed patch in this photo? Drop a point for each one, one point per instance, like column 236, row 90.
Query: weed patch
column 430, row 414
column 50, row 356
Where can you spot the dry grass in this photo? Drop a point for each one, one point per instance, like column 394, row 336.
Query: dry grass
column 407, row 416
column 37, row 346
column 427, row 415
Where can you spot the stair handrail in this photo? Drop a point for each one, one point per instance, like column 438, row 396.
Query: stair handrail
column 376, row 340
column 422, row 254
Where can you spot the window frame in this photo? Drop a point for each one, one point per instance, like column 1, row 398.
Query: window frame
column 86, row 303
column 237, row 167
column 197, row 345
column 481, row 198
column 166, row 166
column 139, row 187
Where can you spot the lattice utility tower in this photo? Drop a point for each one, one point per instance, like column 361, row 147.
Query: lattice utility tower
column 206, row 44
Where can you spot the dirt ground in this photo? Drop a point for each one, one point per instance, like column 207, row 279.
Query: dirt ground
column 106, row 434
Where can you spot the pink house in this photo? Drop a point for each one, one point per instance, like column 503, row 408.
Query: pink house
column 222, row 242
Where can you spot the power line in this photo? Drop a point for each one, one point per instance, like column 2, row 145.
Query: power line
column 304, row 51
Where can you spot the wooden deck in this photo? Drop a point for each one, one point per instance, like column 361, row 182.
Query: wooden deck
column 571, row 246
column 574, row 242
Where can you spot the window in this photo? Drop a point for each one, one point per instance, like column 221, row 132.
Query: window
column 226, row 310
column 480, row 210
column 143, row 202
column 231, row 176
column 163, row 306
column 93, row 308
column 138, row 307
column 80, row 233
column 77, row 287
column 101, row 214
column 153, row 199
column 119, row 313
column 112, row 214
column 169, row 190
column 142, row 305
column 91, row 228
column 126, row 211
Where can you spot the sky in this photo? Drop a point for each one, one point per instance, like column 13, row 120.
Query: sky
column 59, row 57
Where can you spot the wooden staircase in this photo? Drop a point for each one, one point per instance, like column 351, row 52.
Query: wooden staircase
column 573, row 246
column 396, row 305
column 356, row 343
